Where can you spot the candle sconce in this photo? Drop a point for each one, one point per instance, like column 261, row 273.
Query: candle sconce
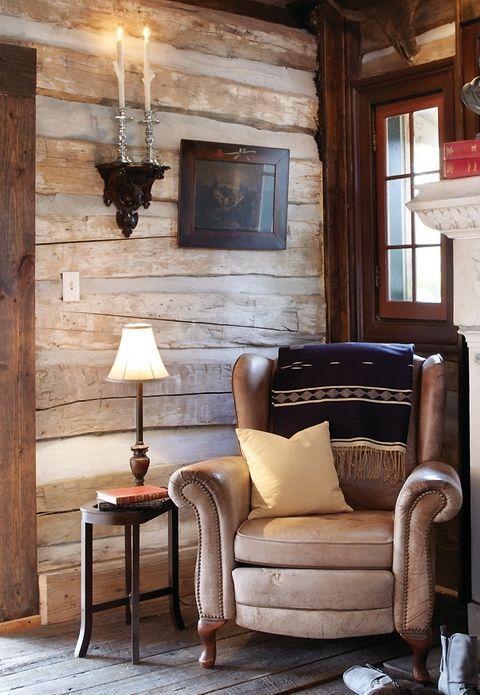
column 128, row 186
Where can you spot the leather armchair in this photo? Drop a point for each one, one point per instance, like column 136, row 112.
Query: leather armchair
column 370, row 571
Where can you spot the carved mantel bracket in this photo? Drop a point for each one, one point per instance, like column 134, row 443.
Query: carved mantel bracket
column 128, row 186
column 451, row 206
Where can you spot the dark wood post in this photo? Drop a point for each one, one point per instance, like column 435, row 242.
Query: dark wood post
column 18, row 537
column 338, row 63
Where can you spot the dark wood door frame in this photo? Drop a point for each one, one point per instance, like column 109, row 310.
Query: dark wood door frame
column 18, row 536
column 338, row 64
column 429, row 79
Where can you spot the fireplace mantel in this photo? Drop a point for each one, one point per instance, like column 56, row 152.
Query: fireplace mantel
column 452, row 206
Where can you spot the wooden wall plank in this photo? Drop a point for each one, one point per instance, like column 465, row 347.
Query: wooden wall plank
column 85, row 463
column 60, row 590
column 151, row 257
column 56, row 530
column 66, row 120
column 18, row 586
column 91, row 227
column 104, row 415
column 67, row 166
column 196, row 28
column 101, row 334
column 291, row 313
column 67, row 494
column 88, row 78
column 255, row 73
column 61, row 383
column 60, row 228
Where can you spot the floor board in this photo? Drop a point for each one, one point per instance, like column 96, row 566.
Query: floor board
column 41, row 661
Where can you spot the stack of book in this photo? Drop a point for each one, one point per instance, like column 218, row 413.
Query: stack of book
column 461, row 158
column 136, row 497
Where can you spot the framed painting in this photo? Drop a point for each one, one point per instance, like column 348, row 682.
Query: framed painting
column 232, row 196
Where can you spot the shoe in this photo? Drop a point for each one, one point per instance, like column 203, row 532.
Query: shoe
column 458, row 665
column 371, row 680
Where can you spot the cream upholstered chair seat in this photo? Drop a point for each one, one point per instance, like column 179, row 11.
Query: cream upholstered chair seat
column 328, row 541
column 363, row 572
column 345, row 546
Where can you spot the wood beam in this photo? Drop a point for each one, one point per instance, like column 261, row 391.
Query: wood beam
column 339, row 62
column 250, row 8
column 18, row 538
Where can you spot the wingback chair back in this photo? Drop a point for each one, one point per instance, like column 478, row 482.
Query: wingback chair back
column 367, row 571
column 252, row 392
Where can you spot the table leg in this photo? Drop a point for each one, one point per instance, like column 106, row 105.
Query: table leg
column 135, row 593
column 173, row 570
column 86, row 595
column 128, row 571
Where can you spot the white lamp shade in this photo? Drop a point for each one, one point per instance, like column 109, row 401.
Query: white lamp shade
column 137, row 358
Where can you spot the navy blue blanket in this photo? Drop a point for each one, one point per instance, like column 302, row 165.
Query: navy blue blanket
column 362, row 389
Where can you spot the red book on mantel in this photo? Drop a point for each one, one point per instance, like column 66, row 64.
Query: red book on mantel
column 136, row 493
column 457, row 168
column 461, row 149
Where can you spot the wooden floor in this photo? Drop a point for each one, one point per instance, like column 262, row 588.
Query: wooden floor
column 41, row 661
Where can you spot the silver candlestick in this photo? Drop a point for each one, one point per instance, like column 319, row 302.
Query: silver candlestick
column 150, row 157
column 122, row 118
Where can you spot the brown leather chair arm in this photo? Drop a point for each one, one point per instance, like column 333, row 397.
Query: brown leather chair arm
column 219, row 492
column 431, row 494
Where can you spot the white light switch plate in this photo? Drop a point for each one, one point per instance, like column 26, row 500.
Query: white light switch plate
column 71, row 286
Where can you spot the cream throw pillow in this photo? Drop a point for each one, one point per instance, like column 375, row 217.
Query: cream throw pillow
column 292, row 477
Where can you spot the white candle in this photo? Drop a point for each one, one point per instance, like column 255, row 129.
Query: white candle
column 119, row 67
column 147, row 75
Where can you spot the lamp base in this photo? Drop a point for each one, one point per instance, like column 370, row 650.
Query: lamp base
column 139, row 462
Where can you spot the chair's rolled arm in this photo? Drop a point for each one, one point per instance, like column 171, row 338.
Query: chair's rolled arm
column 431, row 494
column 219, row 492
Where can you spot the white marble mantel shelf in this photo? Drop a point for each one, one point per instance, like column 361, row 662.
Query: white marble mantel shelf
column 452, row 206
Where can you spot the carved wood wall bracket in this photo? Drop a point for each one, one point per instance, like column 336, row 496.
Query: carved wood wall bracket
column 396, row 18
column 128, row 186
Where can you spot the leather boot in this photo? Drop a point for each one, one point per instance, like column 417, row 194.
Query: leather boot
column 458, row 665
column 370, row 680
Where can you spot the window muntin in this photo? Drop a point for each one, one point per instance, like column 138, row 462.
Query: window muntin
column 411, row 273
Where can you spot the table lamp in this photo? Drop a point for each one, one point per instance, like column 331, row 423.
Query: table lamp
column 138, row 360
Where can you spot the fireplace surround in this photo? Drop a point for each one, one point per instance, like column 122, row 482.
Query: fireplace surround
column 452, row 206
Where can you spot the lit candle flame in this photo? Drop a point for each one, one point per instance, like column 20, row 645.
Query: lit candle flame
column 146, row 33
column 119, row 33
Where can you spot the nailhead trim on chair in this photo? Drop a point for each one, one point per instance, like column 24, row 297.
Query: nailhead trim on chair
column 209, row 495
column 428, row 554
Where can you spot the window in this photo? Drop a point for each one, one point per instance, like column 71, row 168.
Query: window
column 402, row 268
column 411, row 263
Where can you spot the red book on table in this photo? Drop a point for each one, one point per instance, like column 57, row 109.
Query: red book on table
column 461, row 149
column 135, row 493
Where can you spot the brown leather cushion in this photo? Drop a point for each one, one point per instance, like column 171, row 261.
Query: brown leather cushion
column 358, row 540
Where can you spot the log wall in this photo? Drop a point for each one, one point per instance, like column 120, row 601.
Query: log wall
column 219, row 77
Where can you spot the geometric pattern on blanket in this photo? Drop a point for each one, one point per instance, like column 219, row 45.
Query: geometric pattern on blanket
column 362, row 389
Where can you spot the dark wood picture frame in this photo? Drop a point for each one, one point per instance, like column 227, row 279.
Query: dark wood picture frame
column 232, row 196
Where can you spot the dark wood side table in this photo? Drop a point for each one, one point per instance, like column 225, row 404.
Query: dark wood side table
column 131, row 520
